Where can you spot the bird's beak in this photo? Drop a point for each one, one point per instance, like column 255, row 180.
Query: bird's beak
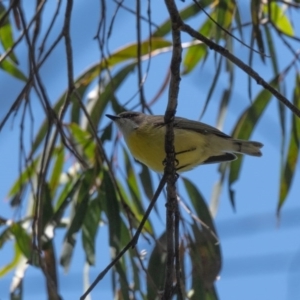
column 114, row 118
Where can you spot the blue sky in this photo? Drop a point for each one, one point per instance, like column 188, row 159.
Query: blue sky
column 261, row 255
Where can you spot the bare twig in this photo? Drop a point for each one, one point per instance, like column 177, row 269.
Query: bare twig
column 139, row 55
column 170, row 169
column 132, row 242
column 186, row 28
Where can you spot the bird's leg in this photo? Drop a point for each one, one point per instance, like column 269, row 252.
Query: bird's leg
column 181, row 152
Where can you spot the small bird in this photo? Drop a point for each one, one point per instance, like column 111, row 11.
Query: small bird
column 195, row 143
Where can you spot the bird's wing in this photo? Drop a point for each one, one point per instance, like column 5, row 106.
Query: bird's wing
column 202, row 128
column 183, row 123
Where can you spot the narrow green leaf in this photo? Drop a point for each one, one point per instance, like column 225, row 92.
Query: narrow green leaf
column 256, row 32
column 59, row 154
column 238, row 21
column 107, row 133
column 136, row 272
column 146, row 181
column 76, row 107
column 274, row 59
column 193, row 56
column 279, row 19
column 212, row 87
column 13, row 263
column 156, row 268
column 89, row 229
column 206, row 263
column 80, row 206
column 244, row 128
column 225, row 14
column 288, row 169
column 124, row 285
column 4, row 236
column 112, row 209
column 27, row 174
column 11, row 69
column 129, row 52
column 22, row 238
column 132, row 183
column 133, row 208
column 46, row 205
column 6, row 34
column 69, row 189
column 199, row 203
column 272, row 50
column 84, row 142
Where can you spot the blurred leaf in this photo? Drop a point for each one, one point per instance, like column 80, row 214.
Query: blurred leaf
column 4, row 236
column 212, row 87
column 57, row 168
column 239, row 23
column 223, row 107
column 107, row 133
column 146, row 181
column 124, row 285
column 156, row 268
column 79, row 209
column 6, row 34
column 13, row 263
column 121, row 55
column 10, row 68
column 279, row 19
column 244, row 128
column 84, row 143
column 129, row 52
column 112, row 209
column 89, row 229
column 256, row 10
column 76, row 107
column 193, row 56
column 199, row 203
column 288, row 169
column 69, row 189
column 133, row 200
column 272, row 50
column 22, row 238
column 24, row 177
column 136, row 271
column 16, row 287
column 46, row 205
column 206, row 263
column 274, row 60
column 225, row 15
column 132, row 183
column 116, row 106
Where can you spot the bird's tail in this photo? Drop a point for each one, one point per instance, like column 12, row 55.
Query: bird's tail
column 247, row 147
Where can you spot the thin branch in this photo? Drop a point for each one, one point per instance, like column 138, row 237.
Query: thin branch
column 56, row 14
column 177, row 257
column 170, row 168
column 227, row 32
column 132, row 242
column 139, row 55
column 186, row 28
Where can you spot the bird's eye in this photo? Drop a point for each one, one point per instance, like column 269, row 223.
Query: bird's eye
column 129, row 115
